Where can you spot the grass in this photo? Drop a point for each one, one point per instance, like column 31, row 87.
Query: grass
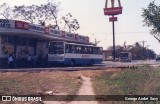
column 24, row 83
column 141, row 81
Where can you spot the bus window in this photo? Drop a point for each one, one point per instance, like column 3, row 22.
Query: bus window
column 89, row 50
column 82, row 49
column 73, row 48
column 94, row 50
column 67, row 48
column 56, row 48
column 78, row 49
column 86, row 50
column 100, row 51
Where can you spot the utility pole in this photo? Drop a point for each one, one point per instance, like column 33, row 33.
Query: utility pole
column 143, row 42
column 147, row 52
column 114, row 50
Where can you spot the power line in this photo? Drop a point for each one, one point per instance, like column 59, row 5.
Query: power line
column 117, row 33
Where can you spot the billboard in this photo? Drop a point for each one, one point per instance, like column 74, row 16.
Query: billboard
column 21, row 25
column 112, row 19
column 113, row 11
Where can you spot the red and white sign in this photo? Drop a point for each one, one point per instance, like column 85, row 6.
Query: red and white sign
column 47, row 30
column 21, row 25
column 112, row 19
column 76, row 36
column 63, row 33
column 113, row 11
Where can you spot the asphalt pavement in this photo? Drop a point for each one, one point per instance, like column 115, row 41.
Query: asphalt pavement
column 103, row 66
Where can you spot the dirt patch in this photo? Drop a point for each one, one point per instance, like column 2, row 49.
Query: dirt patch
column 35, row 83
column 86, row 89
column 58, row 82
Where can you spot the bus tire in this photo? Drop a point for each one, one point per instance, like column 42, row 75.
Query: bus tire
column 72, row 63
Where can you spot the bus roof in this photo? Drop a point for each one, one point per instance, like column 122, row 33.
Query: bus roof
column 89, row 45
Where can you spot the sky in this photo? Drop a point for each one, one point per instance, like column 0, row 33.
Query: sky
column 92, row 20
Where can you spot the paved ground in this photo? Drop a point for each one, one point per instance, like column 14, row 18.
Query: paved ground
column 104, row 64
column 134, row 62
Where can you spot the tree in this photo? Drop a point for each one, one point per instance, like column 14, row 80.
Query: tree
column 49, row 11
column 151, row 17
column 27, row 13
column 118, row 49
column 45, row 13
column 71, row 23
column 38, row 14
column 6, row 11
column 137, row 52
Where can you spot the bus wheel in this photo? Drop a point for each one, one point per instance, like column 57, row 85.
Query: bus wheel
column 72, row 63
column 91, row 62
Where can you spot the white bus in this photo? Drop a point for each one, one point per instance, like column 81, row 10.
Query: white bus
column 125, row 56
column 65, row 53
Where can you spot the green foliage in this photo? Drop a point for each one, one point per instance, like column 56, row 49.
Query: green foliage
column 40, row 14
column 71, row 23
column 27, row 13
column 136, row 50
column 141, row 81
column 151, row 17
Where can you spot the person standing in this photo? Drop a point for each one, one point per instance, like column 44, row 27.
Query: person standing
column 29, row 60
column 11, row 61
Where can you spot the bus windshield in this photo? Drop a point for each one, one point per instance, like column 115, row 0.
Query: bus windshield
column 56, row 48
column 123, row 55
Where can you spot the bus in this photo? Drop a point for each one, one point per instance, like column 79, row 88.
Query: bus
column 125, row 56
column 66, row 53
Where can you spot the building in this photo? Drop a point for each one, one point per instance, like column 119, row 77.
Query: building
column 21, row 38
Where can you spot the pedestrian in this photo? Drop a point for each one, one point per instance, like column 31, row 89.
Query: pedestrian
column 29, row 60
column 11, row 61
